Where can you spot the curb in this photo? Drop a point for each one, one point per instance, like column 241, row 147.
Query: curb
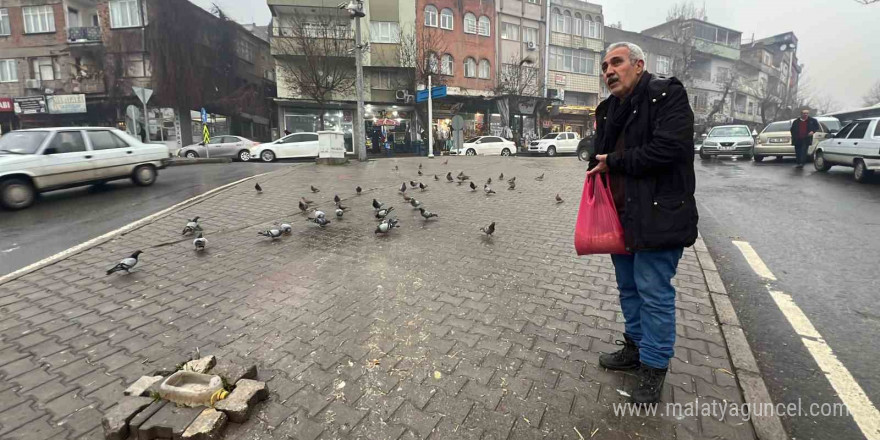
column 176, row 162
column 741, row 356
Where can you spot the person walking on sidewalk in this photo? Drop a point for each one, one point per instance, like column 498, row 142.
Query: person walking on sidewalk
column 644, row 143
column 802, row 131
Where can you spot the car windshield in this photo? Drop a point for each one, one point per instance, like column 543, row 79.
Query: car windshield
column 832, row 124
column 471, row 140
column 730, row 132
column 550, row 136
column 22, row 142
column 777, row 126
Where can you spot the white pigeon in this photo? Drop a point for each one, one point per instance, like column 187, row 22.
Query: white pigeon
column 191, row 226
column 386, row 226
column 286, row 229
column 126, row 264
column 200, row 242
column 339, row 212
column 320, row 214
column 271, row 233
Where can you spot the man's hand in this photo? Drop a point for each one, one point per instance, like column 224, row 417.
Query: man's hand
column 602, row 167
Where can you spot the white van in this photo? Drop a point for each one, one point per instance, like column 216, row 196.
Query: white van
column 44, row 159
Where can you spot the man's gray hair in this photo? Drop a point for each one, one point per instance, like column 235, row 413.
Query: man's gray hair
column 635, row 52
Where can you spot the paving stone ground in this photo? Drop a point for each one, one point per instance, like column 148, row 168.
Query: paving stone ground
column 431, row 332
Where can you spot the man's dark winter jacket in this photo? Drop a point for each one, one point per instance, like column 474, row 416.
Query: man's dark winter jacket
column 812, row 125
column 658, row 162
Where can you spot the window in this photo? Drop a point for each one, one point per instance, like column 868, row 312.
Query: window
column 535, row 2
column 662, row 65
column 383, row 80
column 8, row 71
column 431, row 62
column 384, row 32
column 593, row 29
column 4, row 22
column 578, row 24
column 566, row 22
column 447, row 65
column 124, row 13
column 470, row 23
column 430, row 16
column 38, row 19
column 571, row 60
column 470, row 68
column 556, row 20
column 766, row 58
column 530, row 35
column 245, row 50
column 876, row 130
column 484, row 69
column 484, row 26
column 66, row 142
column 446, row 19
column 138, row 65
column 509, row 31
column 858, row 132
column 700, row 101
column 491, row 140
column 45, row 69
column 751, row 108
column 105, row 140
column 722, row 75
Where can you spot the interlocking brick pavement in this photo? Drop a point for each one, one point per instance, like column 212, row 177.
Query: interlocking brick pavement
column 433, row 331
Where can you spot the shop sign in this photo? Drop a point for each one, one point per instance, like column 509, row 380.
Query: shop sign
column 64, row 104
column 546, row 123
column 6, row 105
column 386, row 122
column 30, row 105
column 560, row 79
column 576, row 109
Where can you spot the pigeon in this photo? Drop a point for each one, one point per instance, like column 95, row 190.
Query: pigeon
column 258, row 187
column 420, row 172
column 200, row 242
column 307, row 201
column 559, row 199
column 489, row 181
column 427, row 214
column 446, row 162
column 358, row 190
column 415, row 203
column 402, row 187
column 320, row 214
column 511, row 180
column 501, row 176
column 303, row 207
column 191, row 226
column 271, row 233
column 461, row 173
column 336, row 199
column 473, row 187
column 488, row 230
column 339, row 206
column 413, row 184
column 512, row 185
column 340, row 212
column 126, row 264
column 488, row 190
column 449, row 177
column 386, row 226
column 540, row 178
column 422, row 186
column 420, row 166
column 314, row 190
column 395, row 168
column 286, row 229
column 320, row 221
column 436, row 178
column 464, row 176
column 377, row 205
column 406, row 198
column 382, row 213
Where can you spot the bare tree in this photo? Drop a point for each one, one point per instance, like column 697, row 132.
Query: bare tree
column 873, row 95
column 421, row 49
column 683, row 33
column 825, row 104
column 318, row 57
column 518, row 82
column 729, row 84
column 867, row 2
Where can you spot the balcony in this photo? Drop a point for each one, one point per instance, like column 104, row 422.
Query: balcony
column 88, row 86
column 84, row 35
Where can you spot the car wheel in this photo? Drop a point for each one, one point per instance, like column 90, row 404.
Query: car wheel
column 267, row 156
column 244, row 155
column 470, row 152
column 505, row 152
column 758, row 158
column 144, row 175
column 16, row 194
column 704, row 156
column 584, row 154
column 191, row 155
column 551, row 151
column 819, row 162
column 861, row 172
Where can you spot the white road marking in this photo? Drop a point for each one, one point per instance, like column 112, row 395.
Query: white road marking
column 82, row 246
column 864, row 413
column 6, row 251
column 754, row 260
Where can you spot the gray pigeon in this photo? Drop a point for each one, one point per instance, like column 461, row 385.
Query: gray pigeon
column 320, row 214
column 512, row 185
column 358, row 190
column 286, row 229
column 126, row 264
column 488, row 189
column 191, row 226
column 382, row 213
column 320, row 221
column 415, row 203
column 473, row 187
column 336, row 199
column 303, row 208
column 540, row 178
column 258, row 188
column 501, row 176
column 307, row 201
column 200, row 242
column 377, row 205
column 427, row 214
column 402, row 187
column 314, row 190
column 435, row 177
column 488, row 230
column 559, row 199
column 422, row 186
column 271, row 233
column 449, row 177
column 386, row 226
column 340, row 212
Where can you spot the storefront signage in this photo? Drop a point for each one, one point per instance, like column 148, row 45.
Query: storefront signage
column 546, row 123
column 64, row 104
column 385, row 122
column 576, row 109
column 30, row 105
column 560, row 79
column 6, row 105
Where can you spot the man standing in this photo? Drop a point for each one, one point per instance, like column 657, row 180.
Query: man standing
column 644, row 146
column 802, row 131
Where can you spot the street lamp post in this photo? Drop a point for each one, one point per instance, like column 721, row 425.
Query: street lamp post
column 356, row 9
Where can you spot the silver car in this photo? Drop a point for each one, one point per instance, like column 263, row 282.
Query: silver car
column 236, row 147
column 728, row 140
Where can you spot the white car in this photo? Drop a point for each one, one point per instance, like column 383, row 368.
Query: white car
column 220, row 146
column 554, row 143
column 38, row 160
column 290, row 146
column 486, row 146
column 856, row 145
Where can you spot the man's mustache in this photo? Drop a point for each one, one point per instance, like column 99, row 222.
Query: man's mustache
column 612, row 79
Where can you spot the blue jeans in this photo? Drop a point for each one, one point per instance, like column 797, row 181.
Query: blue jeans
column 647, row 299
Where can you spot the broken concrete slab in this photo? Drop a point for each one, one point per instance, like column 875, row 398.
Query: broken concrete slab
column 116, row 420
column 168, row 423
column 238, row 404
column 202, row 365
column 207, row 426
column 142, row 386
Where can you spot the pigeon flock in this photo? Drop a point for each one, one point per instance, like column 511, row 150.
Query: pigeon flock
column 384, row 213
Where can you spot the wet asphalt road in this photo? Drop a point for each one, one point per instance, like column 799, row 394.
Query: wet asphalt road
column 820, row 236
column 62, row 219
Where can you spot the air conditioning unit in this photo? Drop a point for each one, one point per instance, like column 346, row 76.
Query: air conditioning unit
column 33, row 84
column 531, row 45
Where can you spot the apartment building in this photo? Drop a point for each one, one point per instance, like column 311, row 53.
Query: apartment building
column 772, row 81
column 522, row 37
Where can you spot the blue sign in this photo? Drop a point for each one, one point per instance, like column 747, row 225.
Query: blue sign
column 436, row 92
column 204, row 116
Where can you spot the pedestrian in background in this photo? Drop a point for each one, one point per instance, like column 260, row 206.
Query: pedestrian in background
column 802, row 131
column 644, row 144
column 143, row 134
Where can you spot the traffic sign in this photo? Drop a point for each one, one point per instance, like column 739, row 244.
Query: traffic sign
column 436, row 92
column 204, row 116
column 143, row 94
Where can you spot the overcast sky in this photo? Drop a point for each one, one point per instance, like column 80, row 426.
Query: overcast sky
column 838, row 38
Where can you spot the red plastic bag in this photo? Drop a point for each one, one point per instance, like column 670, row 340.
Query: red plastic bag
column 598, row 229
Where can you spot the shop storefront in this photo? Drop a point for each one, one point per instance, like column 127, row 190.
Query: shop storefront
column 576, row 118
column 7, row 115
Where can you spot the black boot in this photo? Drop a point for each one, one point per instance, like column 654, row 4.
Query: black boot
column 650, row 385
column 627, row 358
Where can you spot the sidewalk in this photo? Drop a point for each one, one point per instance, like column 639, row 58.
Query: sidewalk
column 431, row 332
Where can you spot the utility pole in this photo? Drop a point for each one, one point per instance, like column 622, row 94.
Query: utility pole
column 356, row 8
column 430, row 122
